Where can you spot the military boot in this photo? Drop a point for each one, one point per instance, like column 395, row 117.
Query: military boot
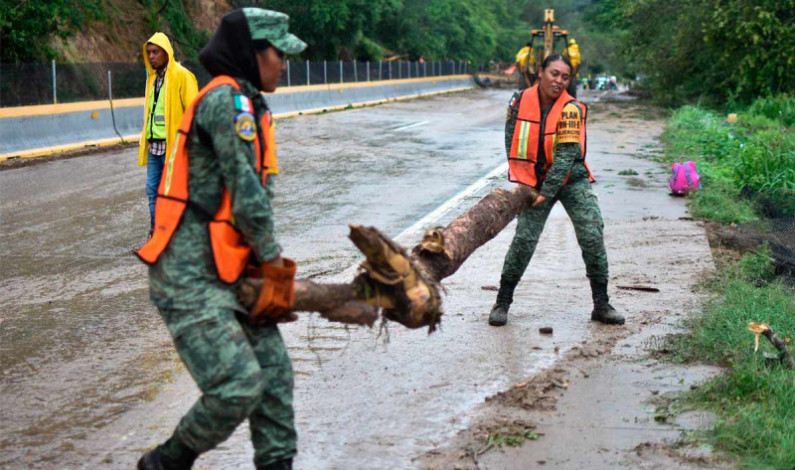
column 286, row 464
column 602, row 310
column 499, row 313
column 155, row 459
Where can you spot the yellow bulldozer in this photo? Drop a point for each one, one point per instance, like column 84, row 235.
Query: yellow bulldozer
column 543, row 43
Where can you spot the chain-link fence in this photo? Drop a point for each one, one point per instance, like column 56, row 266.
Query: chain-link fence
column 30, row 84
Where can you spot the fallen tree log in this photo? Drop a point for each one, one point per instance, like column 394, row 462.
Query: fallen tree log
column 335, row 302
column 442, row 256
column 406, row 287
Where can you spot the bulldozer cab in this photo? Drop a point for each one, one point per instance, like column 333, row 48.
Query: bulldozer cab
column 548, row 40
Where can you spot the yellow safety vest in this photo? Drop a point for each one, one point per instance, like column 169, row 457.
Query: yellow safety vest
column 156, row 123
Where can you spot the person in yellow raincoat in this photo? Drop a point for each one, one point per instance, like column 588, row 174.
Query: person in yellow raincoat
column 573, row 53
column 170, row 89
column 526, row 61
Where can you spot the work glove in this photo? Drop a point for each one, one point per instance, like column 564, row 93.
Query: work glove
column 277, row 295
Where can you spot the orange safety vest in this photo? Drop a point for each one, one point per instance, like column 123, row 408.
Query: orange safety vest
column 230, row 252
column 523, row 164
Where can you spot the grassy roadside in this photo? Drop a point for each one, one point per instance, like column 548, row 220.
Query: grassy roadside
column 755, row 401
column 755, row 156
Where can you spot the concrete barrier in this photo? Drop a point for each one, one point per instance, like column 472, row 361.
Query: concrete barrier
column 33, row 131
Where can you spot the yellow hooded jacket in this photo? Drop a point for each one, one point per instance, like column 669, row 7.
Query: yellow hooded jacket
column 574, row 55
column 522, row 56
column 179, row 88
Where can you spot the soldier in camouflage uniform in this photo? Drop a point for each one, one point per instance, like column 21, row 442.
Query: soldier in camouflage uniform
column 567, row 180
column 243, row 371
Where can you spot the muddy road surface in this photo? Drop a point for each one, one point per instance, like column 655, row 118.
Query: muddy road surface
column 90, row 378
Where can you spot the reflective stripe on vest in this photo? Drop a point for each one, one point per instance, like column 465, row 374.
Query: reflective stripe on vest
column 230, row 252
column 528, row 137
column 156, row 124
column 524, row 132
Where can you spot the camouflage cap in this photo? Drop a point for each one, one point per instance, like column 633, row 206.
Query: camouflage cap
column 271, row 26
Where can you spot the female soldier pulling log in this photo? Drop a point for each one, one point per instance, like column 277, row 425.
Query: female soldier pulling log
column 545, row 140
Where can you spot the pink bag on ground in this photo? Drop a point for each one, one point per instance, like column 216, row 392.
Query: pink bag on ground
column 684, row 178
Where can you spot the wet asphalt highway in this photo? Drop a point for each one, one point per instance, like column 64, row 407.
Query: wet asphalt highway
column 80, row 342
column 89, row 375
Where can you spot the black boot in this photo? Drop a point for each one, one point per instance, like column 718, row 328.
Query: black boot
column 151, row 460
column 499, row 313
column 286, row 464
column 155, row 459
column 602, row 310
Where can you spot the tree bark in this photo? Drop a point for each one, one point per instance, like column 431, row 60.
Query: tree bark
column 473, row 229
column 406, row 287
column 779, row 343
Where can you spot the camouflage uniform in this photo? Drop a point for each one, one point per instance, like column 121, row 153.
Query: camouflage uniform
column 577, row 198
column 185, row 276
column 244, row 372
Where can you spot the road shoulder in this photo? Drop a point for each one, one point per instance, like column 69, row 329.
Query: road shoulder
column 607, row 403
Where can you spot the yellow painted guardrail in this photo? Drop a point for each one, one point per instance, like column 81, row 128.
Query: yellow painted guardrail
column 62, row 108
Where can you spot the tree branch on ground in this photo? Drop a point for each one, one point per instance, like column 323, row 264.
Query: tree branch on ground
column 777, row 341
column 406, row 288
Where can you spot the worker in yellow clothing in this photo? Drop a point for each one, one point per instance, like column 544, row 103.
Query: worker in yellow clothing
column 526, row 62
column 573, row 54
column 170, row 89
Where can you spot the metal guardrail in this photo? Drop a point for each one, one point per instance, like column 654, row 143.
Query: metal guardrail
column 42, row 130
column 48, row 83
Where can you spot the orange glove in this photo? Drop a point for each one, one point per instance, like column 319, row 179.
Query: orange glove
column 276, row 299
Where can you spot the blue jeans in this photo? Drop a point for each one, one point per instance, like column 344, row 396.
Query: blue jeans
column 154, row 169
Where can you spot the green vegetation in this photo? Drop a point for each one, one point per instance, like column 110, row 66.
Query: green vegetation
column 374, row 29
column 719, row 51
column 435, row 30
column 755, row 400
column 629, row 172
column 756, row 153
column 515, row 439
column 722, row 51
column 189, row 40
column 26, row 28
column 746, row 167
column 721, row 202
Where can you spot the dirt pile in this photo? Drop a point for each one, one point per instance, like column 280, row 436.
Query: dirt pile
column 538, row 393
column 541, row 391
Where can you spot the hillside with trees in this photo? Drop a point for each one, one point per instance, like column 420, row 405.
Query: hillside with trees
column 718, row 50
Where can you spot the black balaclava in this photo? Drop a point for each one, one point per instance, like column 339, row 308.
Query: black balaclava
column 231, row 50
